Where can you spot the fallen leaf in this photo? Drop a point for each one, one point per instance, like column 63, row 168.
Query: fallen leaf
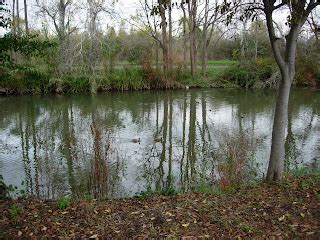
column 185, row 225
column 19, row 233
column 94, row 236
column 169, row 214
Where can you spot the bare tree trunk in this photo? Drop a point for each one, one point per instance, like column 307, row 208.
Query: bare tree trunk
column 192, row 8
column 62, row 37
column 13, row 30
column 164, row 46
column 243, row 40
column 157, row 55
column 256, row 42
column 185, row 38
column 18, row 20
column 26, row 17
column 170, row 37
column 204, row 55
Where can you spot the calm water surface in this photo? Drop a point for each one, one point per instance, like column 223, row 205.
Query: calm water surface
column 118, row 144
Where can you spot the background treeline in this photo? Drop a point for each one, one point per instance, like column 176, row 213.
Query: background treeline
column 166, row 44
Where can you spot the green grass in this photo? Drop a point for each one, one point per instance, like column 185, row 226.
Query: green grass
column 14, row 211
column 63, row 202
column 225, row 62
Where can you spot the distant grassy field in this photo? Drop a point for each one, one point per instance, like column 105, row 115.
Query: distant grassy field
column 223, row 62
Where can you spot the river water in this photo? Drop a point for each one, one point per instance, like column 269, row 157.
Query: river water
column 119, row 144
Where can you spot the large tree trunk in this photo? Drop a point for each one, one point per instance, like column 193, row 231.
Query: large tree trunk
column 277, row 155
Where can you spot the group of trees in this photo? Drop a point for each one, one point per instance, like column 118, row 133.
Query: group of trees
column 200, row 27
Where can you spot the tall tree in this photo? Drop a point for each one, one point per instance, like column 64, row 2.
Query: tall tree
column 299, row 12
column 210, row 17
column 286, row 59
column 60, row 12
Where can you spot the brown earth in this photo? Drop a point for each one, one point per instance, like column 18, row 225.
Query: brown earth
column 287, row 210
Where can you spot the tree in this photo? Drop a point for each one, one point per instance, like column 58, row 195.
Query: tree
column 60, row 12
column 314, row 24
column 285, row 59
column 299, row 12
column 210, row 16
column 162, row 9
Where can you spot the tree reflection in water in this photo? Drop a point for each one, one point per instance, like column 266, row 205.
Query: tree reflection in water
column 82, row 145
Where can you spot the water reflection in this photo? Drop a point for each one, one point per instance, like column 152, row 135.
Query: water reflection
column 117, row 144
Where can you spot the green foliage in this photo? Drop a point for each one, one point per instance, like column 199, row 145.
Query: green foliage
column 303, row 171
column 28, row 46
column 245, row 75
column 168, row 192
column 14, row 211
column 246, row 228
column 3, row 188
column 164, row 192
column 308, row 70
column 224, row 62
column 76, row 83
column 63, row 202
column 4, row 14
column 127, row 79
column 7, row 191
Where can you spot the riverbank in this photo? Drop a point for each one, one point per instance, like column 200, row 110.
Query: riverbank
column 290, row 209
column 256, row 74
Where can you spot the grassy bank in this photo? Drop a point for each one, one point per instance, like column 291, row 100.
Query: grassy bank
column 260, row 73
column 33, row 81
column 289, row 210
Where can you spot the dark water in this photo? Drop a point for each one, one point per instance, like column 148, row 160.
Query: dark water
column 118, row 144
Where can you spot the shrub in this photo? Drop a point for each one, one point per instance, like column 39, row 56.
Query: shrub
column 235, row 160
column 63, row 202
column 248, row 73
column 308, row 70
column 14, row 211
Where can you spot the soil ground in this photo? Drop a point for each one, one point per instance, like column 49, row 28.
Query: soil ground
column 287, row 210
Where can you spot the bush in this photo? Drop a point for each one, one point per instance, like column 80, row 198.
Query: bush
column 248, row 73
column 236, row 164
column 308, row 70
column 63, row 202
